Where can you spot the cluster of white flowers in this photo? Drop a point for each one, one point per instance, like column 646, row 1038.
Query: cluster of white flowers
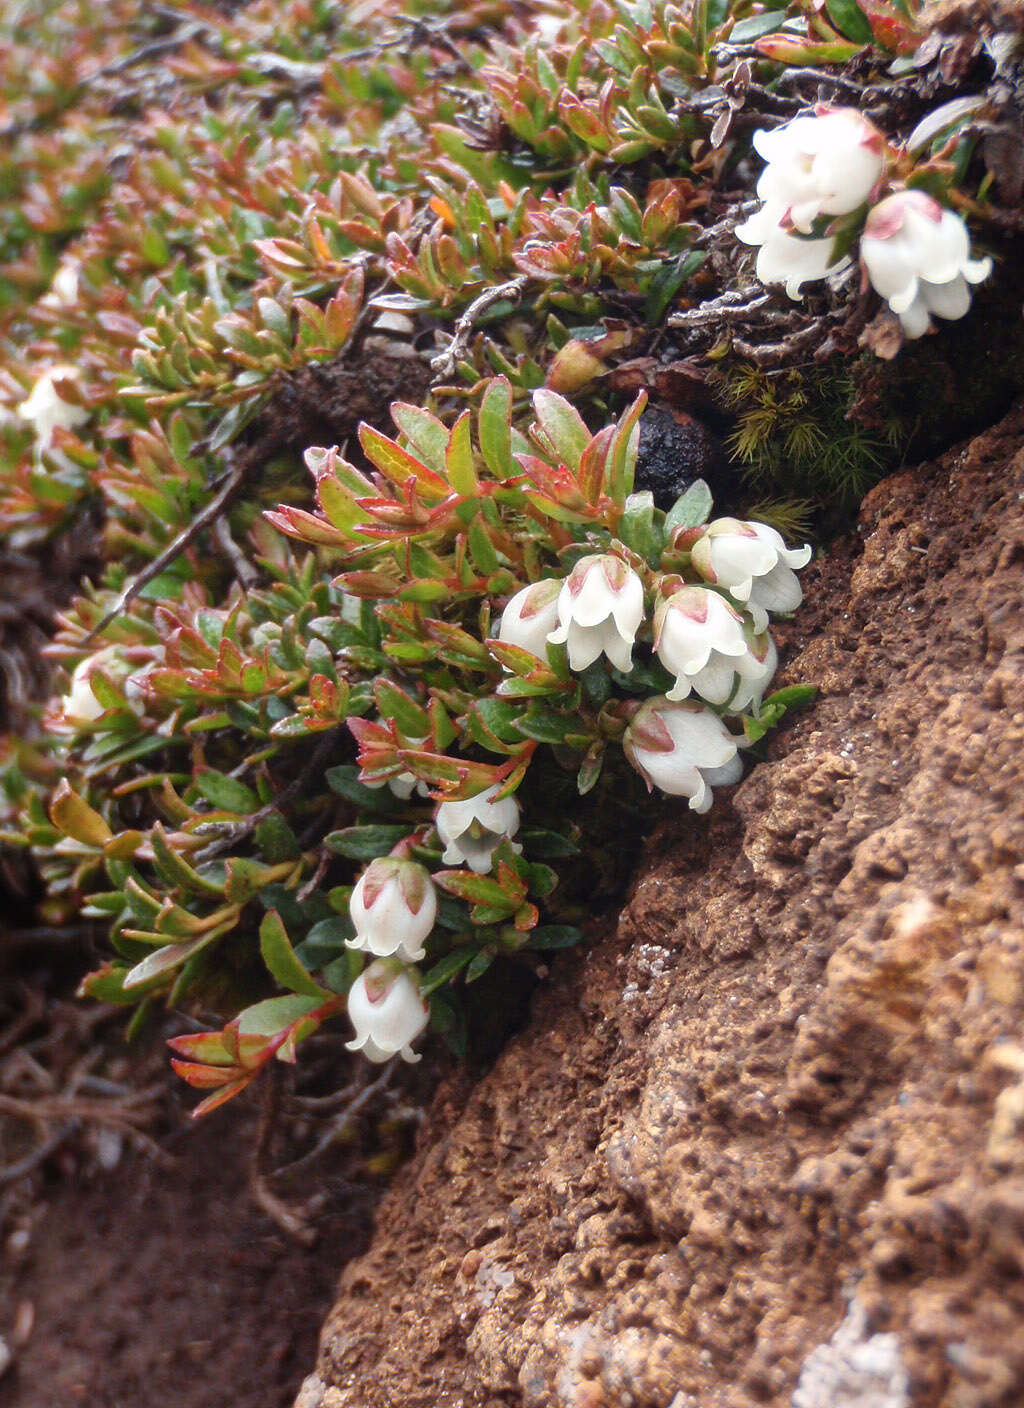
column 833, row 163
column 711, row 636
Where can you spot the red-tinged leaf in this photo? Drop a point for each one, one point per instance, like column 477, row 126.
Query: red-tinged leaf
column 427, row 435
column 593, row 472
column 307, row 527
column 204, row 1077
column 526, row 917
column 209, row 1048
column 399, row 465
column 792, row 50
column 557, row 485
column 371, row 586
column 283, row 254
column 477, row 889
column 228, row 1092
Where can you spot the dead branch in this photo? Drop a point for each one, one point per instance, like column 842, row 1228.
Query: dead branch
column 444, row 364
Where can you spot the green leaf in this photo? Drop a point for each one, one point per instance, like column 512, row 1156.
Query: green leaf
column 555, row 936
column 849, row 19
column 459, row 458
column 563, row 425
column 74, row 817
column 691, row 509
column 549, row 845
column 547, row 726
column 494, row 428
column 276, row 839
column 226, row 793
column 344, row 780
column 480, row 963
column 281, row 959
column 276, row 1014
column 393, row 703
column 449, row 1020
column 365, row 842
column 325, row 941
column 445, row 969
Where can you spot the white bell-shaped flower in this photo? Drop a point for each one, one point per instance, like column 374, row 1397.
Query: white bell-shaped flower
column 785, row 258
column 702, row 640
column 917, row 255
column 387, row 1011
column 752, row 563
column 393, row 908
column 530, row 617
column 46, row 409
column 825, row 163
column 683, row 749
column 600, row 607
column 698, row 636
column 471, row 830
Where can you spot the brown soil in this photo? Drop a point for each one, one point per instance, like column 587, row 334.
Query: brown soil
column 767, row 1134
column 165, row 1286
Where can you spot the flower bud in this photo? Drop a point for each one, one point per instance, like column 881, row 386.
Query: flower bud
column 393, row 908
column 530, row 617
column 471, row 830
column 387, row 1011
column 917, row 256
column 752, row 563
column 47, row 410
column 600, row 607
column 682, row 749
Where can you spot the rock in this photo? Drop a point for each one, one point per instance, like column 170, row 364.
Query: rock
column 763, row 1143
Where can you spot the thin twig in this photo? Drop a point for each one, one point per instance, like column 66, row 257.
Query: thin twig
column 726, row 225
column 444, row 364
column 237, row 830
column 339, row 1124
column 206, row 515
column 247, row 574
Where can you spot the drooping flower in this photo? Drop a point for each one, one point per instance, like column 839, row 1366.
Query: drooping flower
column 784, row 258
column 387, row 1011
column 600, row 607
column 47, row 410
column 698, row 636
column 683, row 749
column 393, row 907
column 711, row 650
column 825, row 163
column 530, row 617
column 471, row 830
column 916, row 253
column 753, row 564
column 80, row 705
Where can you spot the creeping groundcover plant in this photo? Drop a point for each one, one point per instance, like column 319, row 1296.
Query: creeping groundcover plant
column 359, row 415
column 527, row 614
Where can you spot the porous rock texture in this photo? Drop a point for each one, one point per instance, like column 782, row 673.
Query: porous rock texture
column 763, row 1142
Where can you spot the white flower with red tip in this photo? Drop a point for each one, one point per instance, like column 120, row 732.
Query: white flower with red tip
column 600, row 607
column 683, row 749
column 752, row 563
column 530, row 617
column 704, row 642
column 826, row 163
column 917, row 255
column 393, row 908
column 387, row 1011
column 47, row 410
column 471, row 830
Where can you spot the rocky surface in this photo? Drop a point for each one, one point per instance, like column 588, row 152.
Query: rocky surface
column 763, row 1143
